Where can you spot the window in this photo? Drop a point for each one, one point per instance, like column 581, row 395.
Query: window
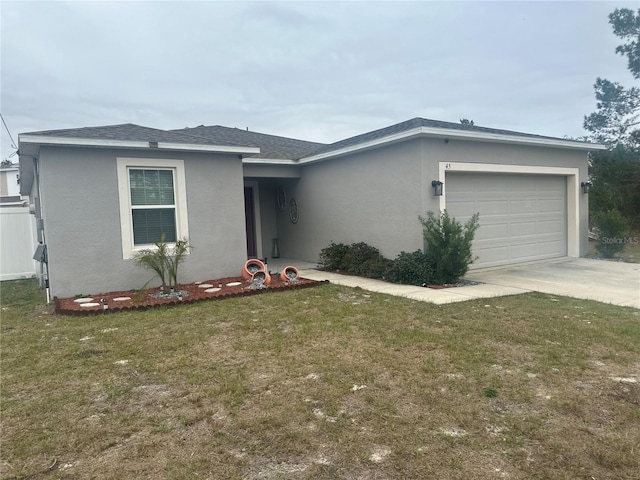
column 153, row 209
column 152, row 202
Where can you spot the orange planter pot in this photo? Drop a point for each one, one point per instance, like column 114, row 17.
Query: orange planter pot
column 252, row 266
column 261, row 273
column 289, row 273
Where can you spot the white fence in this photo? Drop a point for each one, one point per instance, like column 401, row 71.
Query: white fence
column 17, row 243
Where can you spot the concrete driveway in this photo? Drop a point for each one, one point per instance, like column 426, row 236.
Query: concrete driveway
column 605, row 281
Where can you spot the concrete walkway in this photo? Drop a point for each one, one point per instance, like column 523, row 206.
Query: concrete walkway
column 440, row 296
column 609, row 282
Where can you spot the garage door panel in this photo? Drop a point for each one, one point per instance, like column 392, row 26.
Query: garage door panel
column 551, row 226
column 490, row 207
column 522, row 217
column 492, row 231
column 526, row 252
column 466, row 209
column 550, row 248
column 552, row 208
column 523, row 206
column 491, row 255
column 518, row 229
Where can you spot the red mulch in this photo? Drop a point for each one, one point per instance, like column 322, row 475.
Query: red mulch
column 142, row 300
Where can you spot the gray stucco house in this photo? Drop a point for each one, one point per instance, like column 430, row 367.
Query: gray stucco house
column 101, row 193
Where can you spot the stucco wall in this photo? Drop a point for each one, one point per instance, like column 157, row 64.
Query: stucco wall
column 82, row 219
column 376, row 196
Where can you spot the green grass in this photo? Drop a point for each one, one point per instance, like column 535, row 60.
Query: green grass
column 328, row 382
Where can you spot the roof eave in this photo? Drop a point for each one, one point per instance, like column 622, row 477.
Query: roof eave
column 467, row 135
column 91, row 142
column 506, row 138
column 269, row 161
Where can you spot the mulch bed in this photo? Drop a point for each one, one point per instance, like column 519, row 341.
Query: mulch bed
column 460, row 283
column 144, row 299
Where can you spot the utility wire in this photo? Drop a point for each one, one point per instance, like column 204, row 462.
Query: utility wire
column 13, row 143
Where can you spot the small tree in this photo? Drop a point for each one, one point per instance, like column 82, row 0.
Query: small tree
column 164, row 261
column 154, row 259
column 448, row 245
column 174, row 261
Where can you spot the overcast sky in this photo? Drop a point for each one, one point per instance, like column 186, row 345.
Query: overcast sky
column 321, row 71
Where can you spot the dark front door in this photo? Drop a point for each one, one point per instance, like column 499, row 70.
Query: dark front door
column 250, row 221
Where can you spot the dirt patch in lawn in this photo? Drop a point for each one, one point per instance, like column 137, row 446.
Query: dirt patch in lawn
column 216, row 289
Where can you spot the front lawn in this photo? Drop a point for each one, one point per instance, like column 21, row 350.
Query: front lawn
column 329, row 382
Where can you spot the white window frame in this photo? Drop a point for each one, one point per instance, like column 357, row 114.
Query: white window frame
column 124, row 196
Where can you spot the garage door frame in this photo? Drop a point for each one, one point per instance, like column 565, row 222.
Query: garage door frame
column 573, row 190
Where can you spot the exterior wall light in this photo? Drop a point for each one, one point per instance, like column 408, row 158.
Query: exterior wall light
column 437, row 187
column 586, row 186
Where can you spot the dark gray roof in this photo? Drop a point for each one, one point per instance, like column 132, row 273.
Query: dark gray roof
column 131, row 132
column 421, row 122
column 271, row 146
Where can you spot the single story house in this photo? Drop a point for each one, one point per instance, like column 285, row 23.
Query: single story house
column 101, row 193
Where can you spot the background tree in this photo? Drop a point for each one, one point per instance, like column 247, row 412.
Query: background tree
column 466, row 121
column 617, row 118
column 615, row 173
column 626, row 25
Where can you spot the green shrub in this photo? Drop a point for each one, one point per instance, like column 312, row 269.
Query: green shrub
column 332, row 257
column 410, row 269
column 376, row 267
column 612, row 227
column 359, row 257
column 448, row 245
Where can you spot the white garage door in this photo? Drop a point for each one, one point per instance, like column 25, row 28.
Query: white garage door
column 522, row 217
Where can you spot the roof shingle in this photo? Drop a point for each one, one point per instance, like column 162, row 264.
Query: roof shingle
column 416, row 123
column 131, row 132
column 271, row 146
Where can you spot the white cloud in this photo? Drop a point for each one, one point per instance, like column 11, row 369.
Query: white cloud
column 319, row 71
